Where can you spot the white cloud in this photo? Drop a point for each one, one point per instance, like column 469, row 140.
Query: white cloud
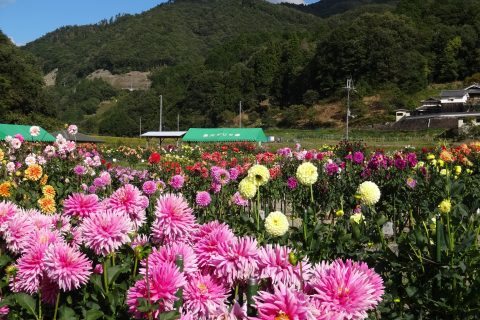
column 4, row 3
column 280, row 1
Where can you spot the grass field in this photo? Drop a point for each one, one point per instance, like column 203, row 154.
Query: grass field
column 314, row 138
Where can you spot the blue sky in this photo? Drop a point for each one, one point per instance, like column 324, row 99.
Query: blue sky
column 26, row 20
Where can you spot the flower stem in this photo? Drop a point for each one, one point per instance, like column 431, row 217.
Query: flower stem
column 105, row 276
column 135, row 267
column 56, row 306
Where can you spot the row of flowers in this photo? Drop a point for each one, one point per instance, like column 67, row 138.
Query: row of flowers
column 56, row 254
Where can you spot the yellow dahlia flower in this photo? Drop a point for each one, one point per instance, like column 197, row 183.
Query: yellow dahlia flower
column 458, row 170
column 339, row 213
column 276, row 224
column 34, row 172
column 445, row 206
column 307, row 173
column 259, row 174
column 5, row 189
column 369, row 193
column 247, row 188
column 47, row 205
column 356, row 218
column 48, row 191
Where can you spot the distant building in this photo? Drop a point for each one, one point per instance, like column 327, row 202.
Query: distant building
column 400, row 113
column 430, row 105
column 473, row 92
column 453, row 96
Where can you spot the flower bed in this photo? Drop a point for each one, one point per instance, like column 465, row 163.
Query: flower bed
column 238, row 232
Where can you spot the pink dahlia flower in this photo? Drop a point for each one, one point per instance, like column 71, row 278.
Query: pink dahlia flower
column 347, row 290
column 7, row 209
column 106, row 231
column 203, row 198
column 164, row 281
column 273, row 263
column 177, row 181
column 139, row 241
column 208, row 240
column 236, row 261
column 175, row 220
column 29, row 270
column 130, row 200
column 149, row 187
column 66, row 266
column 220, row 175
column 44, row 236
column 239, row 200
column 204, row 296
column 16, row 231
column 81, row 205
column 79, row 170
column 284, row 303
column 168, row 254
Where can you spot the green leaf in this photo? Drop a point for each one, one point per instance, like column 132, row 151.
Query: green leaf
column 114, row 272
column 4, row 260
column 27, row 302
column 93, row 314
column 171, row 315
column 411, row 291
column 67, row 313
column 97, row 282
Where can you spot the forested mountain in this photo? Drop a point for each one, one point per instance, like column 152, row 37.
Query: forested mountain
column 21, row 86
column 206, row 55
column 327, row 8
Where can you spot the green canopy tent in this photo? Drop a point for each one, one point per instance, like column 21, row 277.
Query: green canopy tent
column 224, row 135
column 13, row 129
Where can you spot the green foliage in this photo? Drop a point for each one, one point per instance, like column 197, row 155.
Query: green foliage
column 21, row 82
column 206, row 56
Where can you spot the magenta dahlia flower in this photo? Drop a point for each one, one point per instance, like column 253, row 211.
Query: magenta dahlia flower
column 207, row 242
column 66, row 266
column 29, row 270
column 239, row 200
column 81, row 205
column 177, row 181
column 16, row 231
column 220, row 175
column 273, row 263
column 168, row 254
column 203, row 198
column 204, row 296
column 236, row 261
column 175, row 220
column 283, row 304
column 130, row 200
column 347, row 290
column 164, row 281
column 149, row 187
column 7, row 209
column 106, row 231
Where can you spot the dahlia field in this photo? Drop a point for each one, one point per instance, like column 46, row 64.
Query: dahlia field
column 237, row 231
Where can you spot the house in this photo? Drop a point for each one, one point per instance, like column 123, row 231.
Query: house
column 400, row 113
column 430, row 105
column 473, row 92
column 453, row 96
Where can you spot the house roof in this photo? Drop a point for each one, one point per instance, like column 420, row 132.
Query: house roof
column 431, row 99
column 164, row 134
column 453, row 93
column 13, row 129
column 473, row 86
column 225, row 135
column 454, row 115
column 79, row 137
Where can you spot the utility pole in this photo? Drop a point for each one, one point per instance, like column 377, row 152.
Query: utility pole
column 140, row 126
column 178, row 121
column 240, row 113
column 349, row 87
column 161, row 110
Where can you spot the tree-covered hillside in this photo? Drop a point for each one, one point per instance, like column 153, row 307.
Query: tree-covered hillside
column 207, row 55
column 22, row 97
